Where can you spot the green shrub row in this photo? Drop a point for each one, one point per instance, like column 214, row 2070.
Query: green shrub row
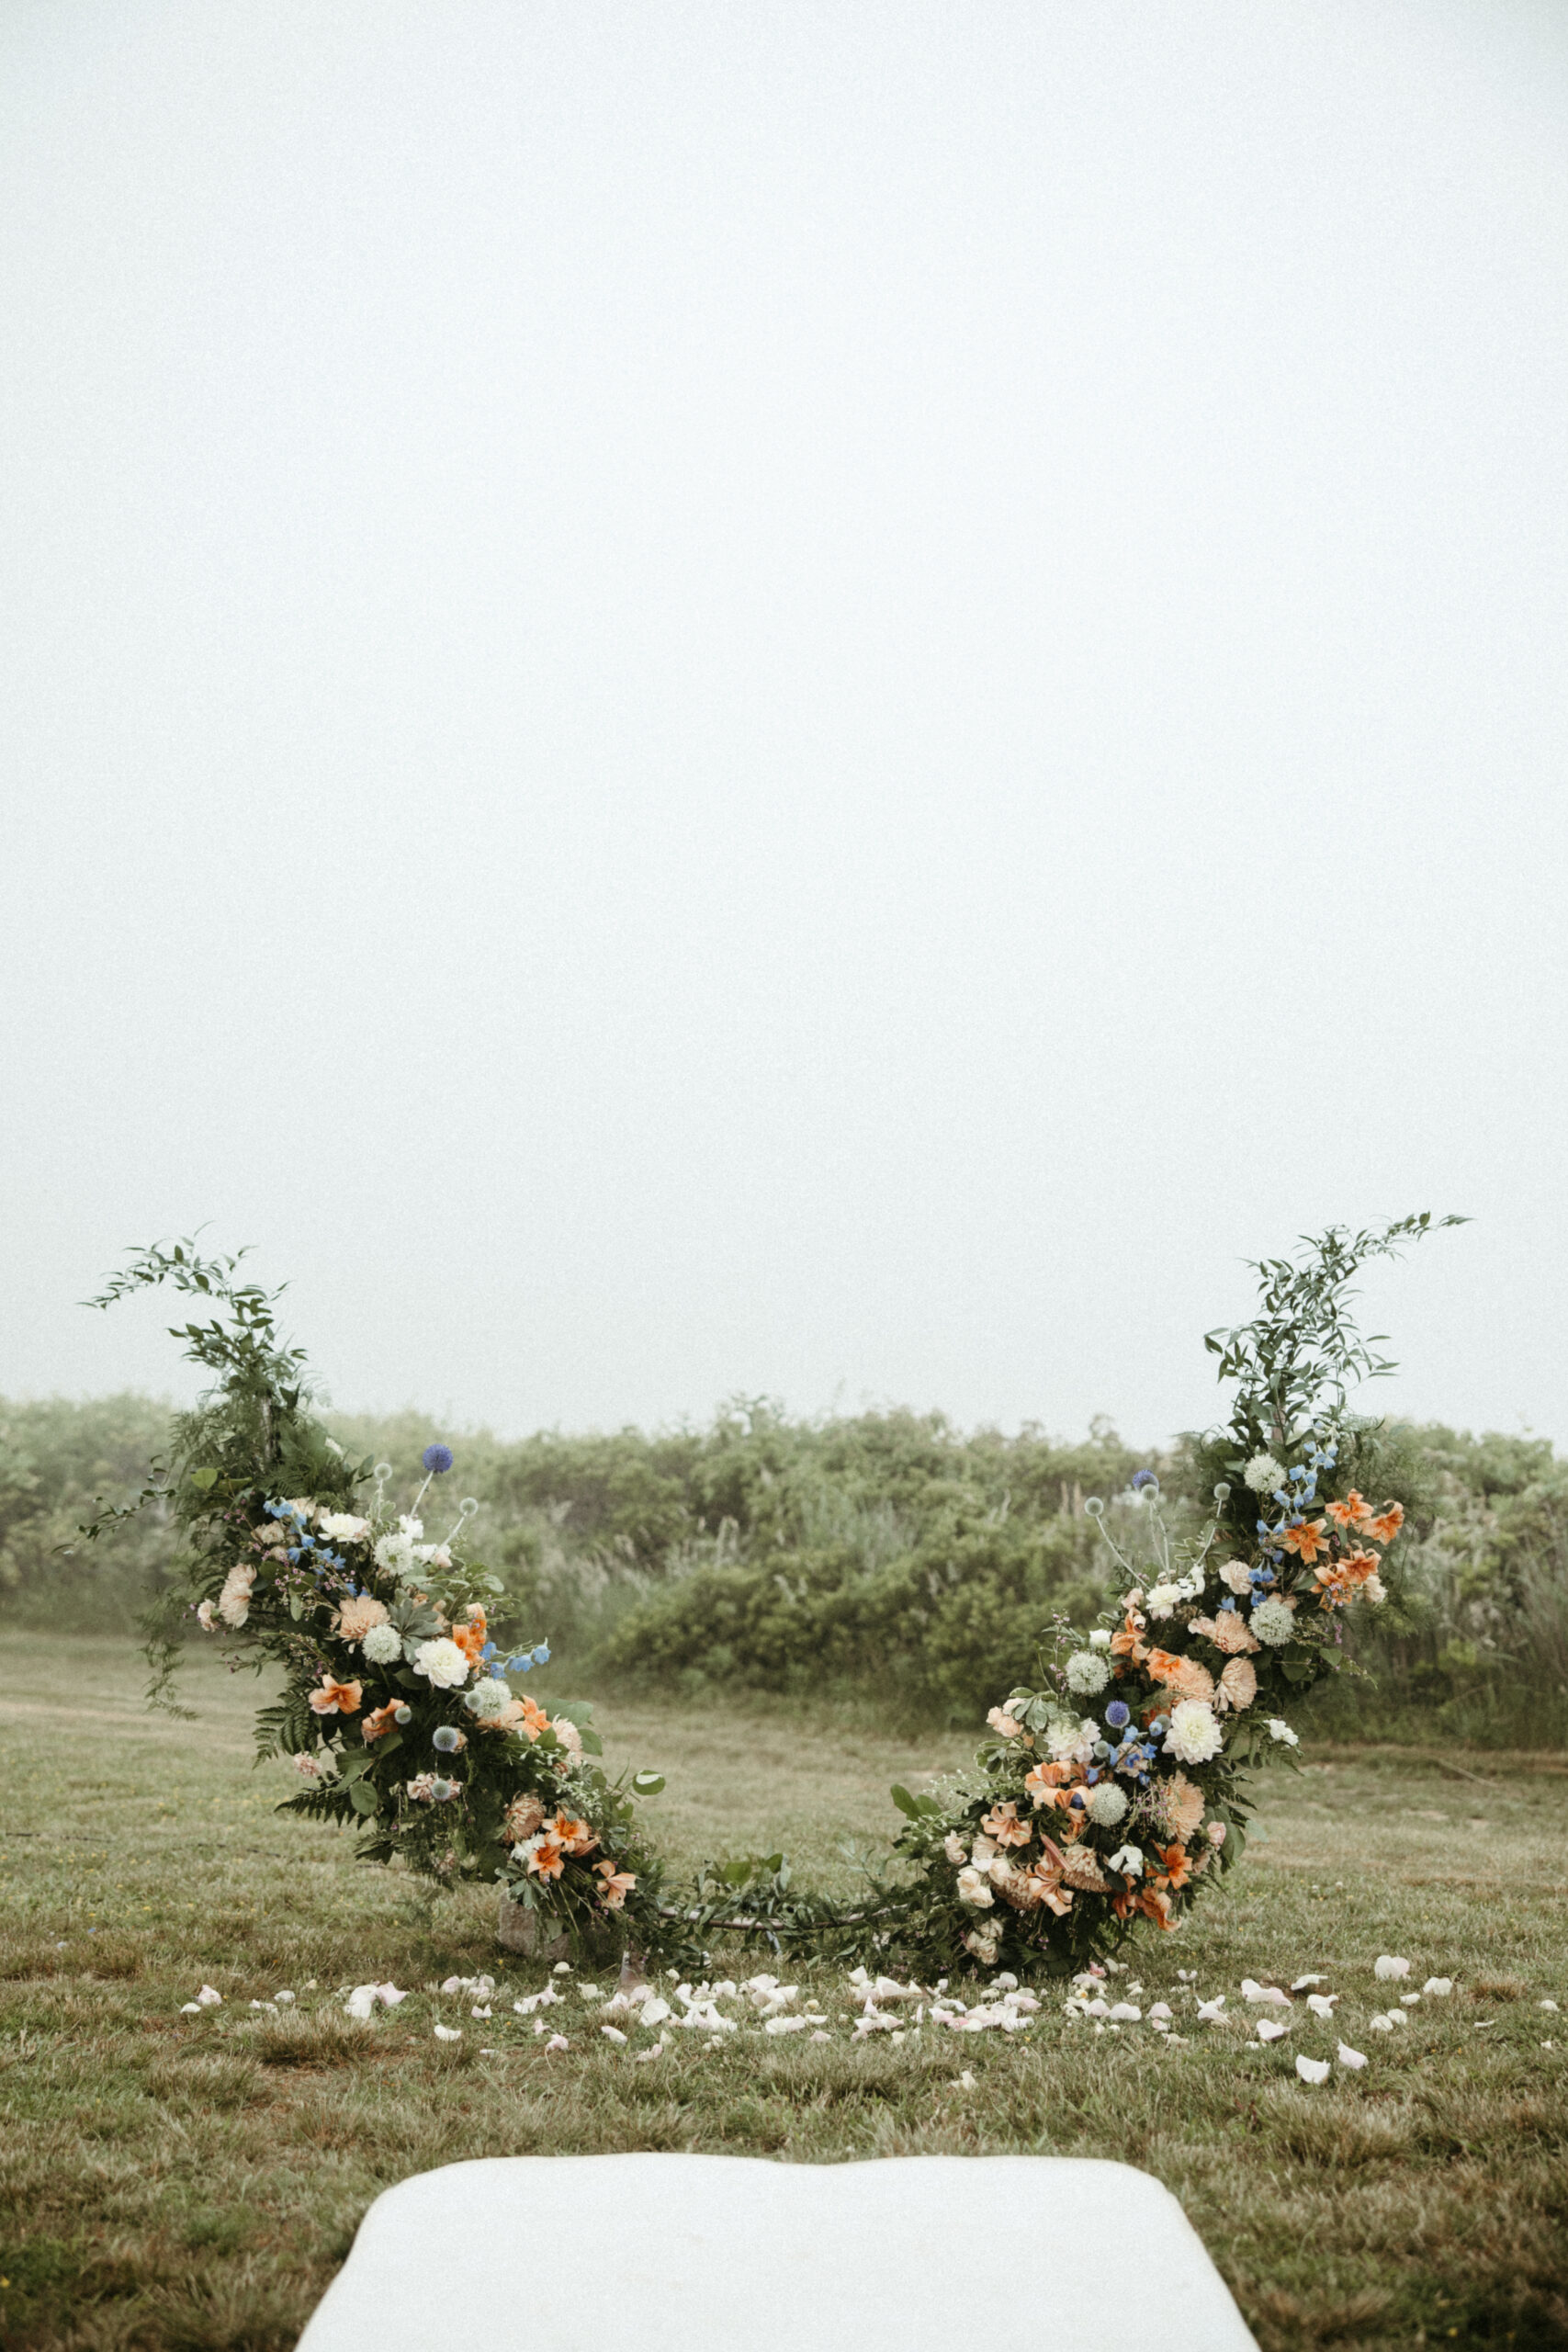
column 887, row 1555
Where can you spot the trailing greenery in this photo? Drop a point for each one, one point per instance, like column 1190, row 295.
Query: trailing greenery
column 397, row 1707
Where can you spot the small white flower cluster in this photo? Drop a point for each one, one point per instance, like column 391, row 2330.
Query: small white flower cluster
column 1274, row 1622
column 488, row 1698
column 402, row 1554
column 1162, row 1599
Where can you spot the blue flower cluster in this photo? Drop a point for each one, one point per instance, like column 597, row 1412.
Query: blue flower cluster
column 1297, row 1495
column 527, row 1660
column 317, row 1556
column 1131, row 1752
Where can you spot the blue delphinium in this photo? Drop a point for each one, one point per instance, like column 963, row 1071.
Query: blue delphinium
column 437, row 1460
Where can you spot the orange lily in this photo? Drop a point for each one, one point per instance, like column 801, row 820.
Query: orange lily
column 1359, row 1565
column 1127, row 1642
column 380, row 1720
column 1354, row 1511
column 617, row 1885
column 337, row 1698
column 1044, row 1781
column 548, row 1859
column 1155, row 1905
column 1044, row 1886
column 575, row 1836
column 1386, row 1526
column 1308, row 1539
column 1003, row 1824
column 1177, row 1869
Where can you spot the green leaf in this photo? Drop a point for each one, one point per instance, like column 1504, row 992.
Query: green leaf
column 594, row 1745
column 646, row 1784
column 362, row 1798
column 906, row 1803
column 204, row 1480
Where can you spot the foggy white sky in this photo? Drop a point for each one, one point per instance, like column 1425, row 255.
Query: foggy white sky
column 825, row 699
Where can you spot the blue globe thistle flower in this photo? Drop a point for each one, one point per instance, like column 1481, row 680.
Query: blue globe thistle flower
column 1143, row 1479
column 437, row 1460
column 1117, row 1714
column 447, row 1738
column 403, row 1716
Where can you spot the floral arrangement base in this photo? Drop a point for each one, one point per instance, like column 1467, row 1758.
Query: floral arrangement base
column 520, row 1929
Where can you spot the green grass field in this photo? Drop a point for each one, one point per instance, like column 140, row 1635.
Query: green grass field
column 171, row 2181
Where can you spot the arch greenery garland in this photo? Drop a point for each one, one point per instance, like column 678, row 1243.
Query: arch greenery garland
column 1109, row 1793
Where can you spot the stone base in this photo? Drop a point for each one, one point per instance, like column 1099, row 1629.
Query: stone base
column 519, row 1929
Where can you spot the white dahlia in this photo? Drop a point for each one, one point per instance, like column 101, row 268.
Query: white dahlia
column 442, row 1663
column 1194, row 1734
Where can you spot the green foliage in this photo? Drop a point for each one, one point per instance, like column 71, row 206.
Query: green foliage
column 1296, row 1362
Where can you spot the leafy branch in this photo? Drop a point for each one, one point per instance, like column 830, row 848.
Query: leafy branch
column 1303, row 1347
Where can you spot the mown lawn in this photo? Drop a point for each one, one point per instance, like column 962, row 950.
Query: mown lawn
column 170, row 2181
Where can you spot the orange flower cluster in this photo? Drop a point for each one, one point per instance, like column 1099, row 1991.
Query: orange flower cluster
column 471, row 1635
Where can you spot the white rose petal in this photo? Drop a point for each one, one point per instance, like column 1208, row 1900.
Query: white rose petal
column 448, row 2033
column 1313, row 2069
column 1439, row 1986
column 1387, row 1966
column 1269, row 2030
column 1354, row 2058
